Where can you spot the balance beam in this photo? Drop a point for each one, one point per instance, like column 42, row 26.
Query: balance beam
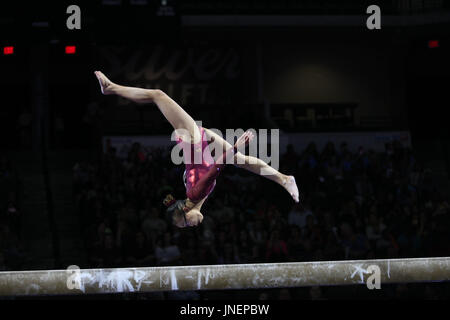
column 221, row 277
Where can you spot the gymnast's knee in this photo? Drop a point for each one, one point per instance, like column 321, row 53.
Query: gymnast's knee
column 241, row 160
column 156, row 94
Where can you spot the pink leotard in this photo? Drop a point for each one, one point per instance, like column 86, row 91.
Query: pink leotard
column 201, row 170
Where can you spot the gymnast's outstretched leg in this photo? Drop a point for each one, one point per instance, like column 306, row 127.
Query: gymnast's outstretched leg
column 180, row 120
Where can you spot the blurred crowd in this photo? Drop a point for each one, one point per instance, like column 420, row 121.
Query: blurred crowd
column 11, row 248
column 354, row 205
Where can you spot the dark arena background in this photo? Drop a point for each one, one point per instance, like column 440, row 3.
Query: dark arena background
column 358, row 91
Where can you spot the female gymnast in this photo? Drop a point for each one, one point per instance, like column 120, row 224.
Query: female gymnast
column 199, row 178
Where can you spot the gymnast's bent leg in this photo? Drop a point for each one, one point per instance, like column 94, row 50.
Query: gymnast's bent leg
column 258, row 166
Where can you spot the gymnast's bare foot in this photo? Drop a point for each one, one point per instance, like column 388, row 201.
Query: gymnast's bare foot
column 244, row 139
column 105, row 84
column 291, row 187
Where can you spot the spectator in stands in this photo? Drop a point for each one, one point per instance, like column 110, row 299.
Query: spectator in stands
column 2, row 263
column 374, row 228
column 276, row 248
column 289, row 160
column 295, row 244
column 12, row 218
column 109, row 254
column 206, row 254
column 297, row 216
column 140, row 253
column 167, row 253
column 189, row 252
column 245, row 246
column 24, row 125
column 257, row 233
column 153, row 224
column 13, row 252
column 229, row 255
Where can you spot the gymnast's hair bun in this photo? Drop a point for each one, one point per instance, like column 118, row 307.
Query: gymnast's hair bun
column 169, row 200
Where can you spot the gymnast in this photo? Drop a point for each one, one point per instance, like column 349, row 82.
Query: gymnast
column 199, row 178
